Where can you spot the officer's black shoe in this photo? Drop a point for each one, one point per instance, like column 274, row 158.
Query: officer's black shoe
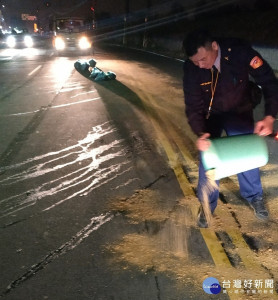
column 259, row 209
column 201, row 219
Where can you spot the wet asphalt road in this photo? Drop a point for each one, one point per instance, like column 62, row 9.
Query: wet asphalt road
column 88, row 197
column 69, row 148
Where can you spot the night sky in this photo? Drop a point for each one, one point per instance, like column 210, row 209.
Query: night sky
column 14, row 8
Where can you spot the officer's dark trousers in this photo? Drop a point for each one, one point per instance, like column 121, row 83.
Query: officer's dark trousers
column 249, row 181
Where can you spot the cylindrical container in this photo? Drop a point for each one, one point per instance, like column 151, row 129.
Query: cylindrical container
column 235, row 154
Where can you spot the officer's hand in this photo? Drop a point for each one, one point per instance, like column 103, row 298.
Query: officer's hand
column 265, row 126
column 203, row 143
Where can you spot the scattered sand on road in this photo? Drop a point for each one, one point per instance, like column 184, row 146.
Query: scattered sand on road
column 164, row 248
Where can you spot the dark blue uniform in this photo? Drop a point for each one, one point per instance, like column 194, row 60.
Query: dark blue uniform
column 231, row 110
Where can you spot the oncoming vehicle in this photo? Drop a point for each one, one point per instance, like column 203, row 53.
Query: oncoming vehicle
column 72, row 34
column 19, row 39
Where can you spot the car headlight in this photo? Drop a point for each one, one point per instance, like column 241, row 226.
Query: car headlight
column 59, row 43
column 84, row 43
column 11, row 41
column 28, row 41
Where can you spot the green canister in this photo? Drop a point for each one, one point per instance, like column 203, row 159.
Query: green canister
column 235, row 154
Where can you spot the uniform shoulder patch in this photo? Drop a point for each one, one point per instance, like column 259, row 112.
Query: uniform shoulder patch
column 256, row 62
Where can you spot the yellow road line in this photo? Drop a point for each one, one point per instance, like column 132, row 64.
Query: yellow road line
column 245, row 253
column 216, row 250
column 213, row 244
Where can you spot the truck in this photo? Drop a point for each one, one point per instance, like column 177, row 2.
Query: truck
column 72, row 34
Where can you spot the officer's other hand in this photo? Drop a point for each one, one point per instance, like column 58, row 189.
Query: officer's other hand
column 203, row 142
column 265, row 126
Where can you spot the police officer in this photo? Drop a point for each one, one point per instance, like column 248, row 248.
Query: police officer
column 218, row 98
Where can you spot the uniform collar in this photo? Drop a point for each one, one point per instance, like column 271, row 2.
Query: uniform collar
column 218, row 59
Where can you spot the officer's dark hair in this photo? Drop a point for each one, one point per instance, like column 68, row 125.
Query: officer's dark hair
column 196, row 39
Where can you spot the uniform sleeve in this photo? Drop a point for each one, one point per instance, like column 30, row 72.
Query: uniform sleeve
column 193, row 100
column 264, row 76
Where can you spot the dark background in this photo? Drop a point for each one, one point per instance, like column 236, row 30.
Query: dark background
column 254, row 20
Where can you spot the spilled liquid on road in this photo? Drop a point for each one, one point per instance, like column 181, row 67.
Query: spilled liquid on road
column 74, row 171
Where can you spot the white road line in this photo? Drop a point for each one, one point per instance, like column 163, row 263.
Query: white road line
column 56, row 106
column 73, row 103
column 35, row 70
